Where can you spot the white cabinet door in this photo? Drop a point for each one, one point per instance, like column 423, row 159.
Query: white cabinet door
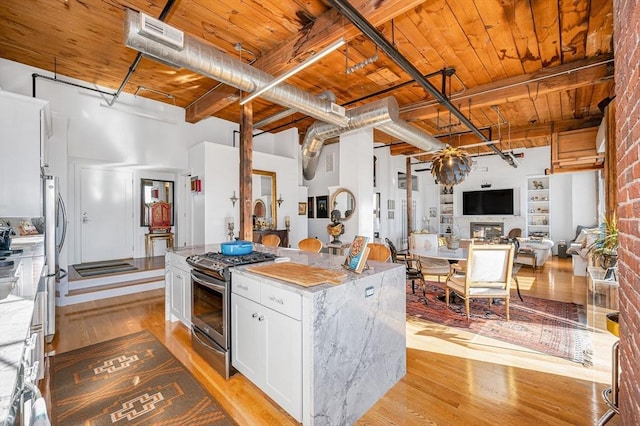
column 178, row 281
column 245, row 338
column 20, row 184
column 283, row 360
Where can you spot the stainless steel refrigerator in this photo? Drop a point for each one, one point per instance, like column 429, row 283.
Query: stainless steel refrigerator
column 54, row 235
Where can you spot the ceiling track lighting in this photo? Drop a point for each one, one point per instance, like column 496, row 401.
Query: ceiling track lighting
column 361, row 64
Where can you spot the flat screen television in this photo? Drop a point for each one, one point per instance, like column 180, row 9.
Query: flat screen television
column 490, row 202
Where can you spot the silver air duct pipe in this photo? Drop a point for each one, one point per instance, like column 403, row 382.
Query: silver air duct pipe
column 204, row 59
column 326, row 95
column 382, row 114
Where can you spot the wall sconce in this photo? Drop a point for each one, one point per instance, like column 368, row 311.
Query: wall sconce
column 230, row 226
column 234, row 198
column 280, row 200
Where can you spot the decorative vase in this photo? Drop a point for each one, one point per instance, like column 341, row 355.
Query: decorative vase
column 608, row 260
column 453, row 242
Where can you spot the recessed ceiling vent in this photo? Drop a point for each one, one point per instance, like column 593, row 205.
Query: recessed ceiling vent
column 161, row 32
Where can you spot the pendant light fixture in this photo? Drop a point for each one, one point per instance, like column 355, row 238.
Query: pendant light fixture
column 450, row 166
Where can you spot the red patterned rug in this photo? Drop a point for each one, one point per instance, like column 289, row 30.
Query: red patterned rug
column 131, row 380
column 547, row 326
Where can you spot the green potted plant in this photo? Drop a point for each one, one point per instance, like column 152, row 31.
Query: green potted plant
column 605, row 248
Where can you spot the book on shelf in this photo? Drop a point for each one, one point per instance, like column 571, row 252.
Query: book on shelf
column 358, row 253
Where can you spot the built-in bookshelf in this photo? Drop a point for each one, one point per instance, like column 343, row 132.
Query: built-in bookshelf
column 538, row 206
column 446, row 210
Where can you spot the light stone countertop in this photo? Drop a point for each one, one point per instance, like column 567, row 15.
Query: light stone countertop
column 319, row 260
column 15, row 321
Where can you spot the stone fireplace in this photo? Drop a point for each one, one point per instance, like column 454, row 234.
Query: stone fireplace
column 486, row 230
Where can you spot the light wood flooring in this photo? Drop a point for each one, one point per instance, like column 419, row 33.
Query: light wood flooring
column 453, row 377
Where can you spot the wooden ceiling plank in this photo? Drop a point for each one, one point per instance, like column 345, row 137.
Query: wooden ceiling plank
column 562, row 77
column 574, row 26
column 524, row 33
column 543, row 111
column 450, row 44
column 600, row 28
column 567, row 104
column 328, row 28
column 496, row 17
column 478, row 38
column 547, row 25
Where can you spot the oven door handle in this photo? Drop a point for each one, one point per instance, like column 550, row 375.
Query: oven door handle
column 205, row 344
column 196, row 278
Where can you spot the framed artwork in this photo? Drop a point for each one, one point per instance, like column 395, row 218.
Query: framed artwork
column 322, row 207
column 302, row 208
column 310, row 207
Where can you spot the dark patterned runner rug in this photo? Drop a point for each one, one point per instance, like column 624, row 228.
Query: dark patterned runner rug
column 547, row 326
column 131, row 380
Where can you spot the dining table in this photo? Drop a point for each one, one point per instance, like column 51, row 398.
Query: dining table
column 454, row 255
column 441, row 252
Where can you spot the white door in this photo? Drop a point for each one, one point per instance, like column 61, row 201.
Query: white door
column 106, row 214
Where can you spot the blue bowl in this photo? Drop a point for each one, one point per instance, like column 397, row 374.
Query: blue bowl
column 236, row 248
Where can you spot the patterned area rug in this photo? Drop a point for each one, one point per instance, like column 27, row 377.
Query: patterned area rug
column 547, row 326
column 131, row 380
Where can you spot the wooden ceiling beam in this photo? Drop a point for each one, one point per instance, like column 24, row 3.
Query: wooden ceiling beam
column 518, row 134
column 560, row 78
column 325, row 30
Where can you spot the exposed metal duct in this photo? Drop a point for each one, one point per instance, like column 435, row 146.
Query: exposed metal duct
column 349, row 12
column 204, row 59
column 326, row 95
column 382, row 114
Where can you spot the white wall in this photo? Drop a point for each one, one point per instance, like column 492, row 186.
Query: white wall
column 137, row 134
column 319, row 185
column 218, row 167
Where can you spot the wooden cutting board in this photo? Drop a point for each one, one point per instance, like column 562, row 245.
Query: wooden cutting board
column 298, row 273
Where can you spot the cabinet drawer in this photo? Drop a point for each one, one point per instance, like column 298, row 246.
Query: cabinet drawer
column 245, row 287
column 283, row 301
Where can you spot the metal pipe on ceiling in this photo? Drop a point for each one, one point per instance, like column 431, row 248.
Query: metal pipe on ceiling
column 349, row 12
column 136, row 61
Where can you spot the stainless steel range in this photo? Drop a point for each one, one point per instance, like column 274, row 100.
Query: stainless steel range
column 211, row 305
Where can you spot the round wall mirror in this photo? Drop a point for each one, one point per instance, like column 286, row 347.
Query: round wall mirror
column 343, row 202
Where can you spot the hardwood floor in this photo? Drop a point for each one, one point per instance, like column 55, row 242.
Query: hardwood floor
column 453, row 377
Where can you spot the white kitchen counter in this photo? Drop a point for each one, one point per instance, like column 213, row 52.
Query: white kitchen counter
column 15, row 320
column 16, row 312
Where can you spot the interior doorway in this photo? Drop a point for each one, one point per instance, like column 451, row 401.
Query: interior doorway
column 106, row 214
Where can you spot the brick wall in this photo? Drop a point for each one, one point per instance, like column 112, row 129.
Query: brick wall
column 627, row 78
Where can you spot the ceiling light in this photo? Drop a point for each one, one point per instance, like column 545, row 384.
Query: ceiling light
column 295, row 70
column 450, row 166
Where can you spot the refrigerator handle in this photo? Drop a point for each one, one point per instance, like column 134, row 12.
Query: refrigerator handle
column 64, row 222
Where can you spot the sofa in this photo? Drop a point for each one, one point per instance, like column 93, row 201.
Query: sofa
column 579, row 248
column 538, row 251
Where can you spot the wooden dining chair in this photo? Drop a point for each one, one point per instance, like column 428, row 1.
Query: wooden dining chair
column 310, row 244
column 271, row 240
column 379, row 252
column 488, row 275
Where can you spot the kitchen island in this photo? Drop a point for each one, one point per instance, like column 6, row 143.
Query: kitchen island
column 325, row 353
